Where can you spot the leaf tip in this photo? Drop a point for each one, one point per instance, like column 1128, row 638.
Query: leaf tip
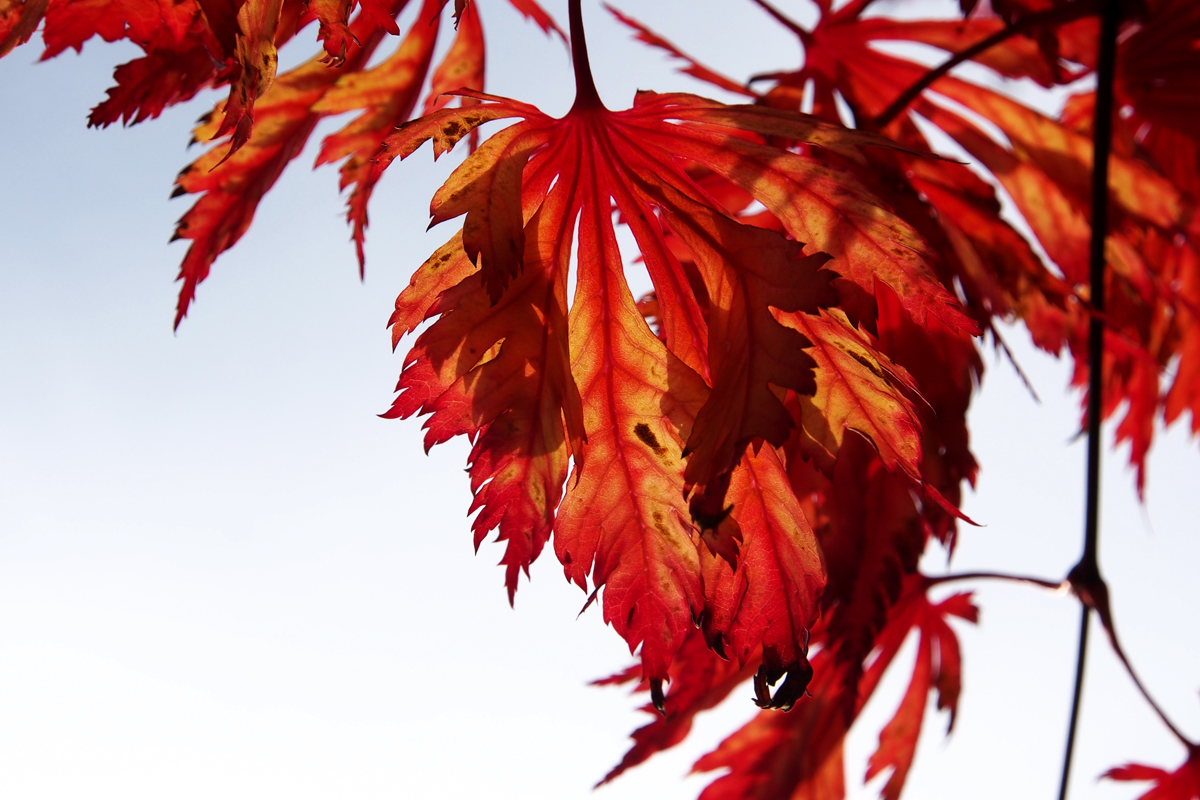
column 657, row 698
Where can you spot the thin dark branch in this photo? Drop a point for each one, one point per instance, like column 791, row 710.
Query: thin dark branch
column 768, row 76
column 1086, row 573
column 1093, row 595
column 785, row 20
column 1054, row 16
column 1085, row 618
column 1102, row 145
column 1110, row 629
column 1092, row 591
column 1000, row 576
column 1003, row 346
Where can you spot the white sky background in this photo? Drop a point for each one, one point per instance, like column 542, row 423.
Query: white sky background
column 222, row 575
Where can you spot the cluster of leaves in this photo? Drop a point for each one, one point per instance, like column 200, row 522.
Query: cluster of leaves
column 750, row 461
column 267, row 118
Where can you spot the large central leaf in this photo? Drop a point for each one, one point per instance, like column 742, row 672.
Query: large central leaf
column 648, row 420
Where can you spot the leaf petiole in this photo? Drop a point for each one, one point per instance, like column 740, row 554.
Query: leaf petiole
column 586, row 96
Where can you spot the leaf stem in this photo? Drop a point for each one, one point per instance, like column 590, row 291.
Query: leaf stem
column 1088, row 567
column 1116, row 646
column 786, row 21
column 586, row 96
column 1001, row 576
column 1003, row 347
column 1059, row 14
column 1101, row 147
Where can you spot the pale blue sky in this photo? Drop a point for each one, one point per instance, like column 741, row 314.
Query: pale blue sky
column 222, row 575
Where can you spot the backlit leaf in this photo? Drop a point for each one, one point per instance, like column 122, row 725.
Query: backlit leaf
column 387, row 94
column 1182, row 784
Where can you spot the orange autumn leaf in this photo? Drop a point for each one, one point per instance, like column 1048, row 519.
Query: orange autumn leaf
column 257, row 57
column 222, row 19
column 18, row 20
column 475, row 351
column 1158, row 69
column 693, row 67
column 387, row 95
column 624, row 518
column 1044, row 165
column 700, row 679
column 71, row 23
column 485, row 189
column 333, row 17
column 462, row 67
column 635, row 458
column 858, row 389
column 833, row 212
column 793, row 755
column 800, row 754
column 770, row 598
column 1066, row 157
column 233, row 183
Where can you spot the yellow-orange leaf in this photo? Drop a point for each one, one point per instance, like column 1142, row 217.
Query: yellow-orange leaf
column 624, row 518
column 462, row 66
column 771, row 597
column 1066, row 157
column 388, row 94
column 233, row 183
column 501, row 373
column 858, row 389
column 18, row 20
column 257, row 57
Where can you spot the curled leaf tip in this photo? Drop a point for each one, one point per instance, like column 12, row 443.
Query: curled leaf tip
column 796, row 678
column 657, row 698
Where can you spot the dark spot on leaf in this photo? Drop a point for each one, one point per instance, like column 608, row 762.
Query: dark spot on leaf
column 643, row 432
column 865, row 362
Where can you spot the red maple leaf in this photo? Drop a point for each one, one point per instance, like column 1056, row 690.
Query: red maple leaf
column 1182, row 784
column 700, row 679
column 234, row 180
column 800, row 754
column 1045, row 167
column 751, row 460
column 644, row 419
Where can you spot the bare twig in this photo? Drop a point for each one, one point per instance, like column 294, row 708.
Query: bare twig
column 1085, row 577
column 1084, row 619
column 1003, row 347
column 1092, row 591
column 785, row 21
column 1000, row 576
